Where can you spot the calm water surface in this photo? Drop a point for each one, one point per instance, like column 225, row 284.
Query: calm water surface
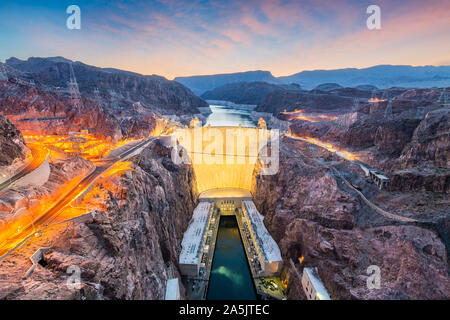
column 223, row 116
column 230, row 274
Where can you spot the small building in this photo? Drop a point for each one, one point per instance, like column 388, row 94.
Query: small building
column 194, row 239
column 269, row 254
column 172, row 289
column 312, row 285
column 379, row 179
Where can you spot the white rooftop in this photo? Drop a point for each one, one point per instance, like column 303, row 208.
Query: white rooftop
column 268, row 246
column 313, row 276
column 172, row 289
column 192, row 239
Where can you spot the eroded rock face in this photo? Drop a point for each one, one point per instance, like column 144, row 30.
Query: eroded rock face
column 34, row 111
column 430, row 142
column 412, row 147
column 128, row 249
column 114, row 103
column 12, row 145
column 412, row 260
column 116, row 88
column 299, row 190
column 311, row 214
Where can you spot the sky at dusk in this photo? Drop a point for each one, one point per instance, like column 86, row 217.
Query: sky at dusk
column 179, row 38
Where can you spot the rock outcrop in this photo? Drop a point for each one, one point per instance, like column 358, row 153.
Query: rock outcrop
column 35, row 111
column 127, row 249
column 12, row 145
column 245, row 92
column 312, row 214
column 201, row 84
column 412, row 145
column 114, row 88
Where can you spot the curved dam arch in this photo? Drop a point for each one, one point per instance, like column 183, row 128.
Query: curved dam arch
column 225, row 157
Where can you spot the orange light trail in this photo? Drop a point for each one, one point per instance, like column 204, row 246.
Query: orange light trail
column 341, row 153
column 13, row 225
column 21, row 226
column 311, row 117
column 375, row 100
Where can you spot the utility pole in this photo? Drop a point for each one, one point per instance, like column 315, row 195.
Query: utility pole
column 443, row 99
column 388, row 111
column 3, row 74
column 75, row 97
column 355, row 105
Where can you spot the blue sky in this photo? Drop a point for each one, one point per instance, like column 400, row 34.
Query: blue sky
column 176, row 38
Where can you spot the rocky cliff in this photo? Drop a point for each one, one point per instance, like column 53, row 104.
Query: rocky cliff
column 35, row 111
column 245, row 92
column 12, row 145
column 126, row 249
column 313, row 216
column 412, row 145
column 114, row 88
column 318, row 101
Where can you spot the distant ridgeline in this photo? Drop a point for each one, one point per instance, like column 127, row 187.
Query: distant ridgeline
column 381, row 76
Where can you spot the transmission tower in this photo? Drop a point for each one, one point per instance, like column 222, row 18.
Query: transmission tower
column 385, row 95
column 77, row 139
column 3, row 74
column 420, row 114
column 355, row 106
column 374, row 99
column 443, row 99
column 97, row 95
column 75, row 97
column 388, row 111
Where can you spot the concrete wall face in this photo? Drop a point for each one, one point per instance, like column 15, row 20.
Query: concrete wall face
column 308, row 288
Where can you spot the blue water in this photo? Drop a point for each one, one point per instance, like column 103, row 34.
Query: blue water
column 230, row 274
column 223, row 116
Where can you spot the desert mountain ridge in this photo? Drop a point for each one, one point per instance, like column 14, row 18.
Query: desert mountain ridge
column 381, row 76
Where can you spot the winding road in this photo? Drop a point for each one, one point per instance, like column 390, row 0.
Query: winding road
column 16, row 240
column 372, row 205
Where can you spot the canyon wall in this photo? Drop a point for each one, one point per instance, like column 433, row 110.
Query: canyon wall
column 412, row 147
column 127, row 249
column 313, row 216
column 116, row 88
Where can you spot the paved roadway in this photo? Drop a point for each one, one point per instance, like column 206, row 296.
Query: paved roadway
column 47, row 217
column 39, row 156
column 362, row 196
